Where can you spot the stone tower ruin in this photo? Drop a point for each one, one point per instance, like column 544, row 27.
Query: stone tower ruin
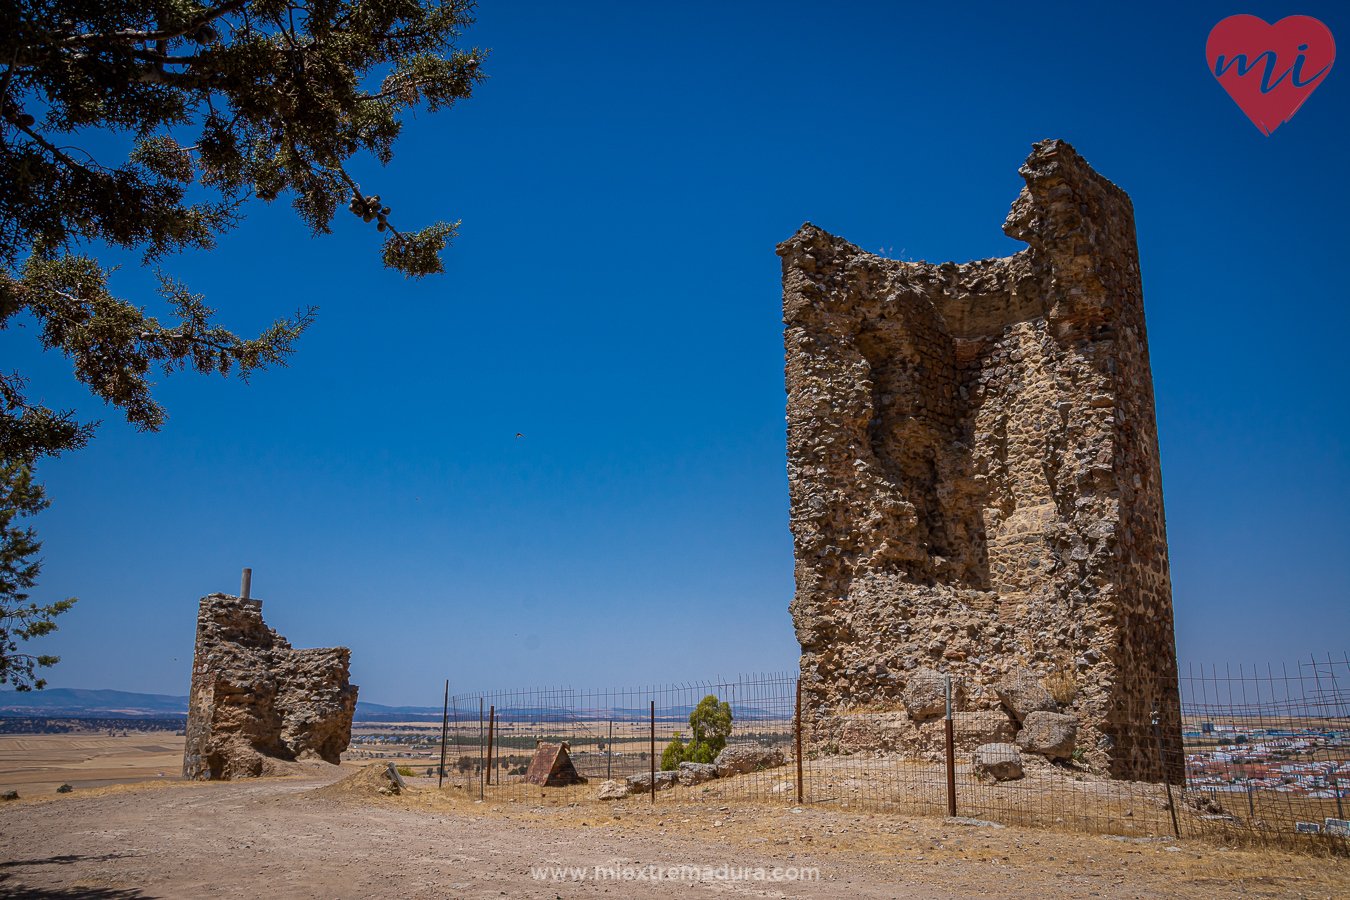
column 974, row 480
column 258, row 706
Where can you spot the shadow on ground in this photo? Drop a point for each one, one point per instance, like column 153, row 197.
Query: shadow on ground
column 27, row 892
column 10, row 887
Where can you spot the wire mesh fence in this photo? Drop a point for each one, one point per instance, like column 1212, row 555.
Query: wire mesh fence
column 1268, row 752
column 1261, row 755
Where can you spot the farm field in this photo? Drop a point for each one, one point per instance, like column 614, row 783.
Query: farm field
column 37, row 764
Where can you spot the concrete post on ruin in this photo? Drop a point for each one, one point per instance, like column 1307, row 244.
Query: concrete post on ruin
column 975, row 484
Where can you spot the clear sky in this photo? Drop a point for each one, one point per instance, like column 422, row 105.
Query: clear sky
column 623, row 178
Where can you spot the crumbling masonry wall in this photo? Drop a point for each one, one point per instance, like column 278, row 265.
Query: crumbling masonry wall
column 973, row 469
column 257, row 705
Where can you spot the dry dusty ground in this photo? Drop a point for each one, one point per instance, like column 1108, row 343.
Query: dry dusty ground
column 272, row 838
column 36, row 764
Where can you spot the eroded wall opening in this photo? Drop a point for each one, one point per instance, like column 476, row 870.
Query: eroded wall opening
column 973, row 468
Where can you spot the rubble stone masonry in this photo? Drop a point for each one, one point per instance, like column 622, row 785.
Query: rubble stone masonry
column 974, row 477
column 258, row 705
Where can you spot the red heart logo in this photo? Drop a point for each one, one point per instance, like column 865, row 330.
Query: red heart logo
column 1270, row 69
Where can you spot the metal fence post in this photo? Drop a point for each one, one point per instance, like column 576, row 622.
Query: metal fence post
column 445, row 725
column 492, row 721
column 798, row 729
column 1162, row 761
column 951, row 750
column 609, row 751
column 480, row 748
column 653, row 758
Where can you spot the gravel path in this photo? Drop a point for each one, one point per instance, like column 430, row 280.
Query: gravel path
column 267, row 838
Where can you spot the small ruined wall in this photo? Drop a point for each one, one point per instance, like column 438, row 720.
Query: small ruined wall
column 257, row 704
column 974, row 476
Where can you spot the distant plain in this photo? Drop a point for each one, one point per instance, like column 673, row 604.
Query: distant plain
column 37, row 764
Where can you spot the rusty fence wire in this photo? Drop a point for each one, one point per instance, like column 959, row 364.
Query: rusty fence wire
column 1264, row 755
column 1268, row 750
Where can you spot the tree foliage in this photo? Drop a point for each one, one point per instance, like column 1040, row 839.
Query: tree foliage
column 673, row 755
column 222, row 101
column 710, row 723
column 710, row 726
column 19, row 620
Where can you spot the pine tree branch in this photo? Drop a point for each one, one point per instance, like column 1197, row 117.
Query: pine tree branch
column 163, row 34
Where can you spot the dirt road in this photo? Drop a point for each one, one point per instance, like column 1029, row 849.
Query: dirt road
column 270, row 838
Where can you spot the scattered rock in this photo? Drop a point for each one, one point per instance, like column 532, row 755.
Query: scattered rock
column 741, row 758
column 1049, row 734
column 970, row 823
column 692, row 773
column 611, row 790
column 643, row 782
column 9, row 795
column 1021, row 693
column 1000, row 761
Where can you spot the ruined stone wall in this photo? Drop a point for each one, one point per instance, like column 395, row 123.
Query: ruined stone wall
column 974, row 476
column 258, row 705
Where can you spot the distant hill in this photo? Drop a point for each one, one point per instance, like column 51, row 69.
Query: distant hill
column 375, row 712
column 126, row 704
column 80, row 702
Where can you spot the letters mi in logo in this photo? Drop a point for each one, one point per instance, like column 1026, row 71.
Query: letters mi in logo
column 1270, row 69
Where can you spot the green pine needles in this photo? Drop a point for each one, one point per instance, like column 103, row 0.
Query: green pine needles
column 223, row 102
column 19, row 620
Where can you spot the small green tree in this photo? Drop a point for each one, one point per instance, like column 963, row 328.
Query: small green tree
column 710, row 723
column 21, row 496
column 673, row 755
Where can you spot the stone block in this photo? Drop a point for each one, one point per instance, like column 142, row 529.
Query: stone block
column 692, row 773
column 643, row 781
column 739, row 759
column 611, row 790
column 1050, row 734
column 1021, row 693
column 999, row 761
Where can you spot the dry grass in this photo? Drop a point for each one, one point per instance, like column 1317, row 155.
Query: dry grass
column 1062, row 686
column 1054, row 798
column 1035, row 861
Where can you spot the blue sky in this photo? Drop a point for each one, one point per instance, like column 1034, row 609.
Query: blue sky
column 614, row 296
